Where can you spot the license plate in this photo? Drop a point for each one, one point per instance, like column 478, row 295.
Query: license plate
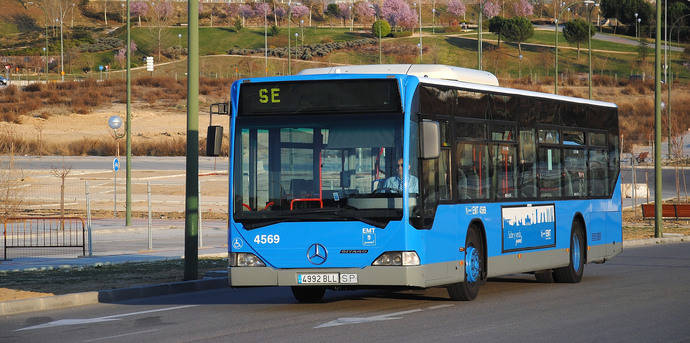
column 326, row 278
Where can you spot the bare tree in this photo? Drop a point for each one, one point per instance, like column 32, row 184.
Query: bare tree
column 57, row 10
column 61, row 172
column 159, row 14
column 11, row 178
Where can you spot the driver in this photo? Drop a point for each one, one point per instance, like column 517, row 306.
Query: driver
column 395, row 183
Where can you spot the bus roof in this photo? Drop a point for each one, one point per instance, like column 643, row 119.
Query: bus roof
column 434, row 71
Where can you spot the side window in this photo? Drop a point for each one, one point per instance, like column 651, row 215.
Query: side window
column 527, row 167
column 504, row 172
column 549, row 172
column 444, row 163
column 472, row 170
column 598, row 167
column 575, row 172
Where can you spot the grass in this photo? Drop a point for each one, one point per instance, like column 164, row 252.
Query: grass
column 102, row 277
column 218, row 40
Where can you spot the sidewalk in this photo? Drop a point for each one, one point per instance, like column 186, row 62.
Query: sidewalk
column 114, row 243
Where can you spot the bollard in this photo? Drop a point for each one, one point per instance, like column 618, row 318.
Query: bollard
column 201, row 232
column 646, row 182
column 634, row 186
column 88, row 216
column 148, row 191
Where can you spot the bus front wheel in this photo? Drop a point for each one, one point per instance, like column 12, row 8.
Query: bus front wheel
column 474, row 264
column 573, row 272
column 308, row 294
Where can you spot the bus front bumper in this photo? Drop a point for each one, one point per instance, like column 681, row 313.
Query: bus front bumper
column 428, row 275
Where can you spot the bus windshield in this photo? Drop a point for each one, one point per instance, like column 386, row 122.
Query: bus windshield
column 319, row 167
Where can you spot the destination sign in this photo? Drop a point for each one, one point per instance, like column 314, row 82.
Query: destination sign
column 323, row 96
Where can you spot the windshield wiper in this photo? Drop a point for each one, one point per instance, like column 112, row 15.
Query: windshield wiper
column 324, row 214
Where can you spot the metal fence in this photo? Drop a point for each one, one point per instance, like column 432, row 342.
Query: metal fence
column 44, row 233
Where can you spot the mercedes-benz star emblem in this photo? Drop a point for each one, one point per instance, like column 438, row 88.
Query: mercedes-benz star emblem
column 317, row 254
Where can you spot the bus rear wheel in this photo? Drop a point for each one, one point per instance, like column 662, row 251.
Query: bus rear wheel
column 573, row 272
column 474, row 269
column 310, row 294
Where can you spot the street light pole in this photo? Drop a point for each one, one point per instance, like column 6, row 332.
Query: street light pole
column 670, row 82
column 288, row 36
column 555, row 33
column 265, row 40
column 636, row 25
column 191, row 242
column 589, row 39
column 658, row 224
column 301, row 26
column 479, row 36
column 128, row 128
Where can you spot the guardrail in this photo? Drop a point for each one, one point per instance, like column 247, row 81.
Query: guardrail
column 43, row 232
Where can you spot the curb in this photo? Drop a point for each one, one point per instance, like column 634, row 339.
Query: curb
column 108, row 296
column 654, row 241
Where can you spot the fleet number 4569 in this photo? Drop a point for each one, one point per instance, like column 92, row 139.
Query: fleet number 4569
column 267, row 239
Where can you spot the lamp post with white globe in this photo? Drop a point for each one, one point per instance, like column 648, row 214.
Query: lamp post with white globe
column 115, row 123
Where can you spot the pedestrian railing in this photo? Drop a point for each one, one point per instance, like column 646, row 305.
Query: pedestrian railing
column 43, row 233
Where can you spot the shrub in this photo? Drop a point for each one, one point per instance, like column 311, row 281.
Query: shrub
column 380, row 28
column 32, row 87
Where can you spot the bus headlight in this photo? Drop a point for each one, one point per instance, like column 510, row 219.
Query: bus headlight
column 397, row 258
column 244, row 259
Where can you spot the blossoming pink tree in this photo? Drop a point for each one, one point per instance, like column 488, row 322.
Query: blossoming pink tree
column 138, row 8
column 399, row 13
column 364, row 11
column 523, row 8
column 491, row 8
column 456, row 8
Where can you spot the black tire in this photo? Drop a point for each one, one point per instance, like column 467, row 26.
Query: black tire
column 544, row 276
column 308, row 294
column 573, row 272
column 468, row 290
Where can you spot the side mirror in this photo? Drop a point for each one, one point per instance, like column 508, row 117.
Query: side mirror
column 214, row 134
column 214, row 140
column 430, row 145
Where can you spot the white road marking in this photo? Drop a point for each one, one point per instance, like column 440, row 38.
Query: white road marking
column 439, row 306
column 65, row 322
column 360, row 320
column 122, row 335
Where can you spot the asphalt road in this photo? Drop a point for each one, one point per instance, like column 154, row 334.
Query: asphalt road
column 641, row 295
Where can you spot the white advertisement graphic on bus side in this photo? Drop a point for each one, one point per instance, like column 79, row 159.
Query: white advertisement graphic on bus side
column 528, row 227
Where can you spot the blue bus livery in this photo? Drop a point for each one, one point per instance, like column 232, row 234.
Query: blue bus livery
column 416, row 176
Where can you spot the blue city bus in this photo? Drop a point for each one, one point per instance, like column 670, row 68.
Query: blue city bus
column 416, row 176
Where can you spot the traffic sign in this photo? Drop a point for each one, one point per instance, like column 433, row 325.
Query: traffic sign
column 149, row 63
column 116, row 164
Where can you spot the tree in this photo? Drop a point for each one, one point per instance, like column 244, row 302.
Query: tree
column 332, row 11
column 518, row 29
column 364, row 11
column 523, row 8
column 245, row 12
column 496, row 26
column 624, row 11
column 138, row 8
column 398, row 13
column 491, row 8
column 456, row 8
column 299, row 11
column 380, row 28
column 160, row 12
column 344, row 11
column 575, row 31
column 262, row 10
column 61, row 172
